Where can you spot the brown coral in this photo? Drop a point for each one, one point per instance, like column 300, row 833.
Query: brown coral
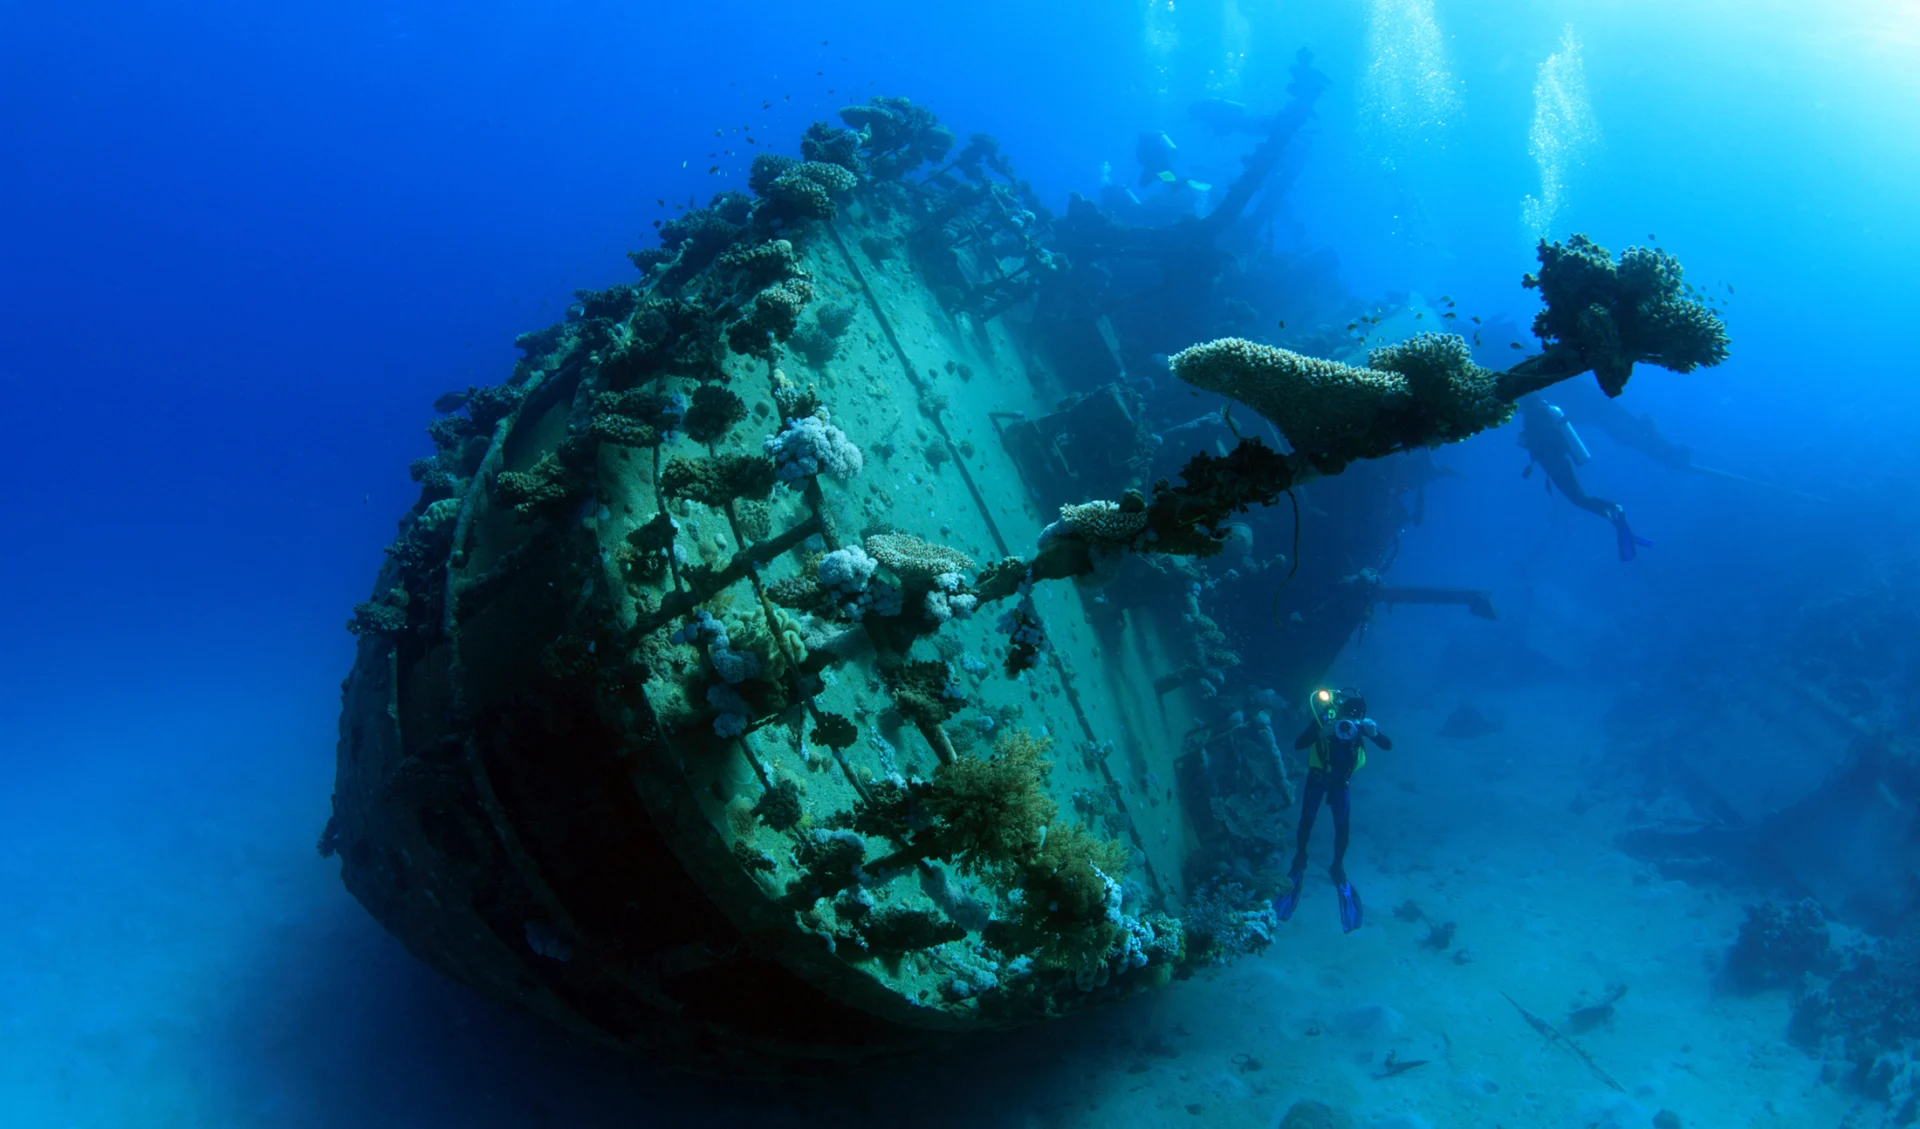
column 718, row 480
column 993, row 813
column 550, row 488
column 1421, row 392
column 771, row 318
column 1326, row 410
column 772, row 261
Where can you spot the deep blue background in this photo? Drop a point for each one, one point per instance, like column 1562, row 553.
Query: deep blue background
column 247, row 246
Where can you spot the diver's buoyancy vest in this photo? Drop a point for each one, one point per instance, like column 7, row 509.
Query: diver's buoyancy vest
column 1341, row 759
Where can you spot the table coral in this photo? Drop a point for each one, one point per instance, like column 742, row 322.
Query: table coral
column 1324, row 408
column 1420, row 392
column 1104, row 521
column 915, row 561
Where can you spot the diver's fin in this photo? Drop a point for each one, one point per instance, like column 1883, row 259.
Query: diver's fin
column 1167, row 175
column 1289, row 899
column 1628, row 541
column 1350, row 911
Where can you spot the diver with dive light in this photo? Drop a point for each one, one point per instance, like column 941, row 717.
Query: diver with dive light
column 1337, row 734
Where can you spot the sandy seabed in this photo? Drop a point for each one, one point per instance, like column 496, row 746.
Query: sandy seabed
column 177, row 955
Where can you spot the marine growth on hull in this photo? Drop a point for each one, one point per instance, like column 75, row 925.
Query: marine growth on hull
column 780, row 660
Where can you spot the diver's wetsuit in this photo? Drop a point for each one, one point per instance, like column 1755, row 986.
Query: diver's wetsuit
column 1544, row 435
column 1545, row 439
column 1330, row 781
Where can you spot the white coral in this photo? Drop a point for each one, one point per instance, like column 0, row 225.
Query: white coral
column 846, row 575
column 810, row 446
column 948, row 600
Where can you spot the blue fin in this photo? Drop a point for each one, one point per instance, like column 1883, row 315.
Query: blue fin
column 1627, row 539
column 1350, row 910
column 1289, row 899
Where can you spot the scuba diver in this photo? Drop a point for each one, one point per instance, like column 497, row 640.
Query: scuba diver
column 1553, row 443
column 1337, row 733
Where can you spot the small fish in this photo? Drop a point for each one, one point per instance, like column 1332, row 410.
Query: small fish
column 786, row 97
column 1449, row 315
column 1652, row 238
column 1729, row 287
column 823, row 43
column 817, row 74
column 719, row 133
column 683, row 164
column 1447, row 300
column 712, row 170
column 1283, row 324
column 656, row 223
column 659, row 201
column 751, row 141
column 765, row 105
column 1515, row 345
column 450, row 402
column 1352, row 325
column 1476, row 319
column 1417, row 317
column 1476, row 339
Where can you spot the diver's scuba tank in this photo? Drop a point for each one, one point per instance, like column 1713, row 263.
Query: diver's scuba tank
column 1576, row 447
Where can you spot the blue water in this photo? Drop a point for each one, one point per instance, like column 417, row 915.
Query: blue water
column 247, row 245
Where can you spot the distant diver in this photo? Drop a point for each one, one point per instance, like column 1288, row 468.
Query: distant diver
column 1337, row 733
column 1155, row 152
column 1552, row 443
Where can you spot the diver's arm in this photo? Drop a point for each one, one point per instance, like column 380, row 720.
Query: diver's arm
column 1307, row 736
column 1385, row 742
column 1370, row 729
